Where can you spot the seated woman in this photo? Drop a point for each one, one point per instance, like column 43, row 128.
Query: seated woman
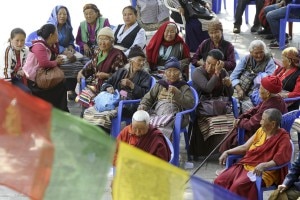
column 289, row 75
column 131, row 81
column 89, row 29
column 167, row 97
column 60, row 17
column 250, row 120
column 195, row 28
column 13, row 57
column 45, row 50
column 211, row 81
column 164, row 44
column 268, row 147
column 216, row 41
column 250, row 69
column 129, row 34
column 106, row 59
column 141, row 134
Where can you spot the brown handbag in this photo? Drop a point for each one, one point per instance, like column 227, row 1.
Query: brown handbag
column 47, row 78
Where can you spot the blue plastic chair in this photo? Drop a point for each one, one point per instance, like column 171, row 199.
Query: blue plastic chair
column 30, row 37
column 252, row 2
column 171, row 149
column 286, row 123
column 287, row 18
column 178, row 129
column 116, row 122
column 231, row 159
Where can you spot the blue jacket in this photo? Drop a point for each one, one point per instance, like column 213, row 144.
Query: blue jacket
column 293, row 175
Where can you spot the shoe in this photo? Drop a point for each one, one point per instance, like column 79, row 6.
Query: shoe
column 273, row 41
column 275, row 45
column 269, row 37
column 254, row 28
column 237, row 29
column 220, row 171
column 264, row 32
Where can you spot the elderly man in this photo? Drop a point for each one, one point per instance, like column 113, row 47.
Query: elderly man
column 144, row 136
column 268, row 147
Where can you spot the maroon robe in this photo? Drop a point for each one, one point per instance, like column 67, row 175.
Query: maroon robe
column 276, row 148
column 250, row 120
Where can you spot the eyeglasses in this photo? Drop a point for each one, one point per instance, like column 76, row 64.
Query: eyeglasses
column 174, row 72
column 103, row 40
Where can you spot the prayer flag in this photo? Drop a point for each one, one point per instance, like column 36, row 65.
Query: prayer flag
column 49, row 154
column 140, row 175
column 204, row 190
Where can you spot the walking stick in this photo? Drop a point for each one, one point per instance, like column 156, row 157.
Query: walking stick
column 202, row 163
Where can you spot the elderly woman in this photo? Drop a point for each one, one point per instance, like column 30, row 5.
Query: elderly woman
column 250, row 120
column 89, row 29
column 289, row 75
column 106, row 59
column 250, row 69
column 216, row 41
column 167, row 97
column 268, row 147
column 130, row 33
column 166, row 43
column 131, row 81
column 211, row 81
column 45, row 50
column 60, row 17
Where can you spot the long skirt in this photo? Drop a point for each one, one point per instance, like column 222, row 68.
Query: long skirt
column 102, row 119
column 57, row 96
column 208, row 132
column 236, row 180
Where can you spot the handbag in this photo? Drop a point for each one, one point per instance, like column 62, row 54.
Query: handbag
column 196, row 10
column 47, row 78
column 214, row 106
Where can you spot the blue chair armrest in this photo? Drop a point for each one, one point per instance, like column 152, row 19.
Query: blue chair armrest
column 287, row 100
column 241, row 136
column 231, row 159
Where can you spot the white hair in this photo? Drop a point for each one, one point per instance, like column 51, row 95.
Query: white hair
column 258, row 43
column 141, row 116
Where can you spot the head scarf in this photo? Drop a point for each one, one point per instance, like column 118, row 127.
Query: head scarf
column 53, row 17
column 157, row 40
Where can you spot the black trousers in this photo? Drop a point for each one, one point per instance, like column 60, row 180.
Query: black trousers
column 240, row 8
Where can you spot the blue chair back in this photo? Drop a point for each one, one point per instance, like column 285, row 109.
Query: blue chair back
column 30, row 37
column 288, row 119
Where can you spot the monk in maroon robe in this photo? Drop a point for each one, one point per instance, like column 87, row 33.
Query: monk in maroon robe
column 144, row 136
column 268, row 147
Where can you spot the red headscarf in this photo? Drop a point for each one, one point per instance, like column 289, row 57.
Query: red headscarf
column 157, row 40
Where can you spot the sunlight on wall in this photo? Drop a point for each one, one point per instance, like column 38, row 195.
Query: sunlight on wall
column 32, row 14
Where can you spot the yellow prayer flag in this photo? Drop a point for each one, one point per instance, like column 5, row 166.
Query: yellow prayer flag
column 140, row 175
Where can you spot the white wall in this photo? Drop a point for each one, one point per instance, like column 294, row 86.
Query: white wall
column 32, row 14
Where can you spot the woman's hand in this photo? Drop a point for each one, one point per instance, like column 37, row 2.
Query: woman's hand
column 102, row 75
column 259, row 169
column 59, row 60
column 282, row 188
column 223, row 157
column 284, row 94
column 208, row 6
column 173, row 90
column 181, row 11
column 87, row 51
column 110, row 90
column 227, row 81
column 70, row 55
column 218, row 67
column 142, row 107
column 240, row 92
column 127, row 83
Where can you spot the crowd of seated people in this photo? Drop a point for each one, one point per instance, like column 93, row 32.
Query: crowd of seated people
column 118, row 61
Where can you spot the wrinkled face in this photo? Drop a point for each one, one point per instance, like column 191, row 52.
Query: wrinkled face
column 170, row 33
column 139, row 128
column 18, row 41
column 263, row 93
column 210, row 64
column 172, row 75
column 215, row 35
column 104, row 42
column 137, row 63
column 90, row 16
column 129, row 17
column 62, row 16
column 266, row 125
column 258, row 54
